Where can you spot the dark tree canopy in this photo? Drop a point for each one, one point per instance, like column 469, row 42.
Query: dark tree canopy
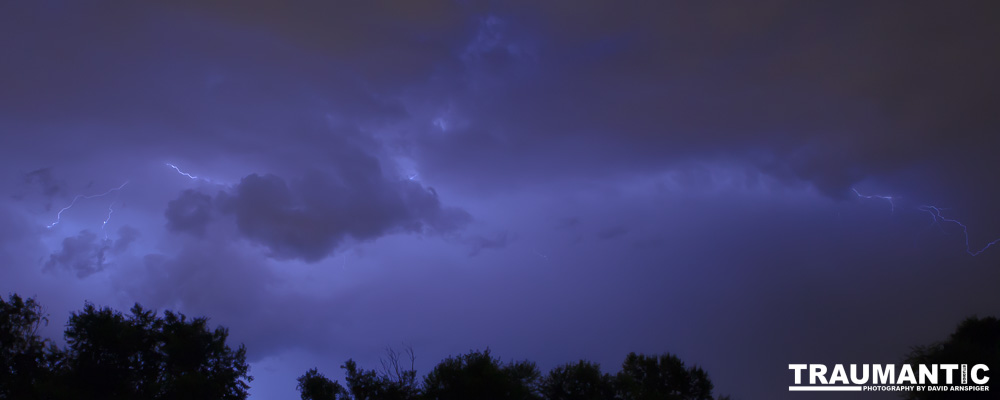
column 975, row 341
column 581, row 381
column 111, row 356
column 478, row 375
column 316, row 386
column 22, row 351
column 395, row 382
column 662, row 377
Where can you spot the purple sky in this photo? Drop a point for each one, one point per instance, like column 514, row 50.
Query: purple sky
column 554, row 180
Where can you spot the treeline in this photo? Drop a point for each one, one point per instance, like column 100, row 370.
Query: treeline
column 140, row 355
column 479, row 375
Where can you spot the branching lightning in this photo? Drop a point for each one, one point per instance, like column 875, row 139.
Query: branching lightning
column 938, row 218
column 892, row 204
column 84, row 197
column 935, row 213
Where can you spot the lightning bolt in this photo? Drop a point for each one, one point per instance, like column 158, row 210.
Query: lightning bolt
column 111, row 210
column 935, row 213
column 892, row 204
column 79, row 197
column 182, row 172
column 189, row 176
column 938, row 219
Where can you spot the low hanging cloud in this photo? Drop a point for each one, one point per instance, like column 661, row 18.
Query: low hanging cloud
column 190, row 213
column 612, row 232
column 307, row 218
column 479, row 243
column 617, row 90
column 45, row 183
column 87, row 254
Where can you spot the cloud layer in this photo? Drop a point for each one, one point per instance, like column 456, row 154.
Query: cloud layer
column 554, row 180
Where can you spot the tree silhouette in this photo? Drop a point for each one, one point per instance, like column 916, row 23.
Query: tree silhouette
column 315, row 386
column 400, row 377
column 581, row 381
column 662, row 377
column 197, row 362
column 23, row 358
column 370, row 385
column 478, row 375
column 975, row 341
column 112, row 356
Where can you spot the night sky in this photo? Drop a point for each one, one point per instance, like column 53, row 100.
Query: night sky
column 553, row 180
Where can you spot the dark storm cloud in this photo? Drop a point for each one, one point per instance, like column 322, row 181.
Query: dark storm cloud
column 308, row 217
column 18, row 235
column 39, row 187
column 612, row 232
column 126, row 236
column 826, row 94
column 504, row 108
column 567, row 222
column 792, row 88
column 483, row 242
column 190, row 212
column 43, row 180
column 386, row 44
column 176, row 82
column 86, row 254
column 83, row 254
